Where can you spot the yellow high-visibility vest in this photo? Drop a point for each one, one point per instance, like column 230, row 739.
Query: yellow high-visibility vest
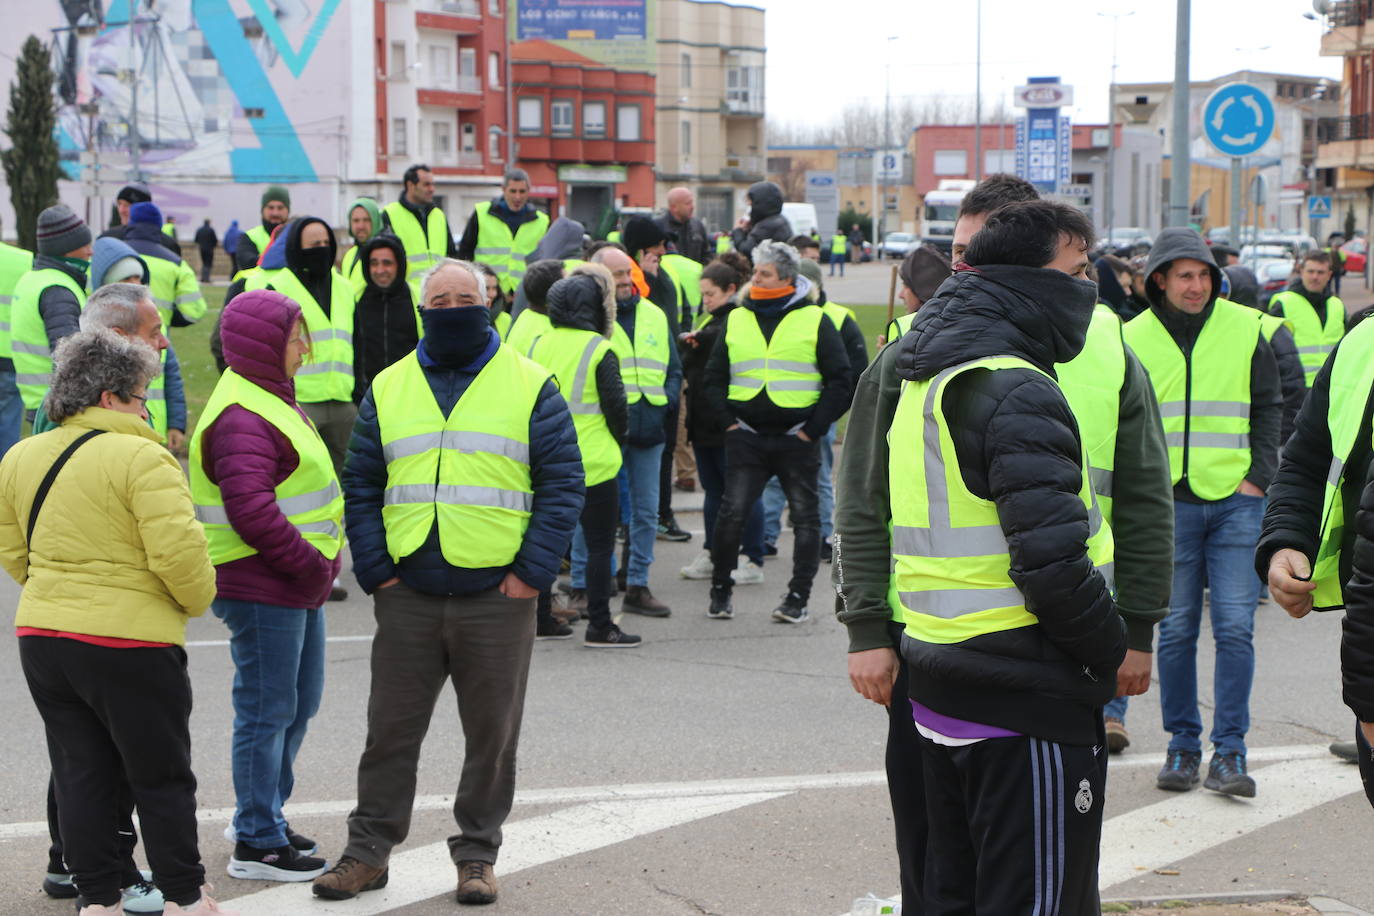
column 503, row 252
column 783, row 367
column 1314, row 335
column 644, row 363
column 327, row 373
column 425, row 245
column 31, row 347
column 573, row 355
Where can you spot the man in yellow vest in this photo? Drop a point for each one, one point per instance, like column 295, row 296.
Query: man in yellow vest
column 462, row 488
column 300, row 266
column 364, row 223
column 1123, row 423
column 1001, row 567
column 419, row 222
column 504, row 232
column 1218, row 389
column 839, row 252
column 274, row 209
column 779, row 376
column 1317, row 319
column 48, row 299
column 14, row 264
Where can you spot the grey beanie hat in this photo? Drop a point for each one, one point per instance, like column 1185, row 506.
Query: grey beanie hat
column 60, row 231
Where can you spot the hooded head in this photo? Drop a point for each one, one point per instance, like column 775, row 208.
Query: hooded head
column 1192, row 286
column 585, row 299
column 113, row 261
column 765, row 200
column 383, row 243
column 812, row 272
column 364, row 219
column 562, row 241
column 255, row 329
column 308, row 248
column 1244, row 285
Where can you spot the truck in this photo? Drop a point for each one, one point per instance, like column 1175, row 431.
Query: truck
column 940, row 210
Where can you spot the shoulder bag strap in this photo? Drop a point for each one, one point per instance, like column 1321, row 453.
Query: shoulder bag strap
column 47, row 483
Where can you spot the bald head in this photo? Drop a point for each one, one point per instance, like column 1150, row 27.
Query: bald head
column 682, row 203
column 620, row 265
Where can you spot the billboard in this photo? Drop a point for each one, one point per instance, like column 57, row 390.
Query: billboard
column 618, row 33
column 1044, row 138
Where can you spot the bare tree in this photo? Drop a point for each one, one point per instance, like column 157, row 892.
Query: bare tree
column 861, row 122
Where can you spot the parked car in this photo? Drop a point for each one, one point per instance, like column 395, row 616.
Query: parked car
column 1128, row 237
column 866, row 254
column 897, row 245
column 1273, row 275
column 1356, row 252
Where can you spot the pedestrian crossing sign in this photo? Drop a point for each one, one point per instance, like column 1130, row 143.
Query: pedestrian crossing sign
column 1319, row 207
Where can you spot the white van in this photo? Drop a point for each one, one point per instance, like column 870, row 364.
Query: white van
column 801, row 215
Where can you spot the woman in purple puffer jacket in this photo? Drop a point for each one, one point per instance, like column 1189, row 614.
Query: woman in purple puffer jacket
column 266, row 492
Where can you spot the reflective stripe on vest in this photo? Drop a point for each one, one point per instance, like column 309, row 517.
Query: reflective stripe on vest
column 529, row 326
column 469, row 473
column 644, row 365
column 784, row 366
column 503, row 252
column 572, row 356
column 1314, row 336
column 425, row 245
column 951, row 562
column 1204, row 399
column 1092, row 382
column 309, row 497
column 14, row 263
column 32, row 351
column 327, row 373
column 1352, row 378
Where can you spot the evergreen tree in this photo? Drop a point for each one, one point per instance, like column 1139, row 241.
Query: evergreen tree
column 31, row 163
column 1349, row 223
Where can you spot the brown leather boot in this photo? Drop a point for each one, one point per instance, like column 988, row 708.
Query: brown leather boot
column 349, row 878
column 476, row 882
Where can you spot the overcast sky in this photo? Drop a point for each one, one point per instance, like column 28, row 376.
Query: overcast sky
column 821, row 52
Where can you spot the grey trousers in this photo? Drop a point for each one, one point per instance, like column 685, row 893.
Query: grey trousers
column 483, row 643
column 334, row 420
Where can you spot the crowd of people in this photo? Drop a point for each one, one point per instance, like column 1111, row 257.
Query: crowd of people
column 1048, row 460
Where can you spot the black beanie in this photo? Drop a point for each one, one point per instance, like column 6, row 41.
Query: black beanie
column 923, row 270
column 640, row 233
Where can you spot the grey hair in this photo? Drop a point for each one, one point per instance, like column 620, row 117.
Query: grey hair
column 115, row 306
column 515, row 175
column 784, row 258
column 89, row 363
column 470, row 267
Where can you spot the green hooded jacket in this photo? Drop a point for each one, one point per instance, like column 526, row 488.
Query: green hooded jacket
column 349, row 266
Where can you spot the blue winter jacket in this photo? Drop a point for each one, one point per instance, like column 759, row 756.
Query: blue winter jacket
column 555, row 471
column 646, row 420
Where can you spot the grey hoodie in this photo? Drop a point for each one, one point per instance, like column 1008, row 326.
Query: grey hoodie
column 562, row 242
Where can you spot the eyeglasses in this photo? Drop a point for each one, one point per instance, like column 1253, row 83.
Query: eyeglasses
column 141, row 398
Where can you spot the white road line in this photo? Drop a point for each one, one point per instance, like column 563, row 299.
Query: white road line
column 420, row 874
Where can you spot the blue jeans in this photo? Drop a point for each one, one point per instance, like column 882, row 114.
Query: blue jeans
column 11, row 411
column 278, row 657
column 774, row 500
column 638, row 509
column 1214, row 543
column 837, row 258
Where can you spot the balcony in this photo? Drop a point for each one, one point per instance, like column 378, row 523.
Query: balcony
column 1345, row 142
column 1348, row 28
column 1337, row 130
column 464, row 159
column 463, row 93
column 741, row 168
column 469, row 9
column 742, row 107
column 463, row 17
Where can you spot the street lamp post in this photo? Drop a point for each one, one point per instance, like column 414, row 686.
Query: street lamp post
column 881, row 229
column 1109, row 198
column 1180, row 158
column 978, row 94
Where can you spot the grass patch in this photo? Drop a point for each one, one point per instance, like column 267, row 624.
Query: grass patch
column 192, row 344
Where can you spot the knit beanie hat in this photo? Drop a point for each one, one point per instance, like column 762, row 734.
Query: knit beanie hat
column 811, row 271
column 278, row 193
column 640, row 233
column 135, row 192
column 923, row 270
column 60, row 231
column 145, row 213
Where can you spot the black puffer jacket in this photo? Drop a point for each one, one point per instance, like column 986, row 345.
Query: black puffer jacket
column 1357, row 629
column 704, row 427
column 765, row 219
column 1018, row 445
column 384, row 324
column 578, row 302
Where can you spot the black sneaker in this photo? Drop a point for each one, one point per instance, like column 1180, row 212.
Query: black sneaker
column 552, row 629
column 792, row 610
column 827, row 552
column 285, row 863
column 720, row 608
column 1180, row 772
column 668, row 530
column 770, row 550
column 59, row 886
column 302, row 844
column 610, row 638
column 1226, row 774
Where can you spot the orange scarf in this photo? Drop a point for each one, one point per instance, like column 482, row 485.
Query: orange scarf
column 637, row 277
column 781, row 292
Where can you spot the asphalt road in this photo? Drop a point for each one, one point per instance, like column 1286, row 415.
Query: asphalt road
column 728, row 767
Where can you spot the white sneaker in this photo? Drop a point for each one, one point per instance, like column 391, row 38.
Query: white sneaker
column 700, row 568
column 205, row 906
column 750, row 573
column 143, row 897
column 95, row 909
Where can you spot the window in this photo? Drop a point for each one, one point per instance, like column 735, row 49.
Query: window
column 530, row 116
column 467, row 133
column 440, row 64
column 561, row 118
column 999, row 160
column 398, row 137
column 494, row 145
column 627, row 122
column 467, row 71
column 494, row 70
column 951, row 162
column 443, row 138
column 744, row 83
column 494, row 7
column 398, row 60
column 686, row 144
column 686, row 71
column 593, row 119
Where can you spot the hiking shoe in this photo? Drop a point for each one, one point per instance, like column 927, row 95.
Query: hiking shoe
column 750, row 573
column 827, row 552
column 142, row 897
column 1226, row 774
column 302, row 844
column 700, row 568
column 770, row 550
column 205, row 906
column 720, row 608
column 552, row 629
column 348, row 878
column 1118, row 739
column 792, row 610
column 1346, row 750
column 59, row 886
column 476, row 883
column 668, row 530
column 610, row 638
column 639, row 600
column 1180, row 771
column 685, row 484
column 285, row 863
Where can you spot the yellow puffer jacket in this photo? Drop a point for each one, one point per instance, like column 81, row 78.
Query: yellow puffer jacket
column 117, row 548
